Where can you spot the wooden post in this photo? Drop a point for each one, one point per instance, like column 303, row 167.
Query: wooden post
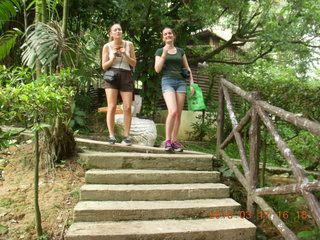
column 237, row 135
column 220, row 121
column 275, row 219
column 297, row 169
column 254, row 137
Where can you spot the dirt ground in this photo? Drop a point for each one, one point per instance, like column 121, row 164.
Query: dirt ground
column 58, row 194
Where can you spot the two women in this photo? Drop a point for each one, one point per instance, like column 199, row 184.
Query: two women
column 119, row 55
column 169, row 62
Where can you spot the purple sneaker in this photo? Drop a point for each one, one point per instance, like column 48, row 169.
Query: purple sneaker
column 176, row 146
column 167, row 145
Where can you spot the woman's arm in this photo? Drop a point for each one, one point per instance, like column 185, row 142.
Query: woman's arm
column 159, row 61
column 186, row 65
column 106, row 62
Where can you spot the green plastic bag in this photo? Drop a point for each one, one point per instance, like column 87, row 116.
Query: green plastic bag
column 195, row 102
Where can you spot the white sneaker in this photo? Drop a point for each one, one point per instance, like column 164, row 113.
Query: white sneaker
column 126, row 141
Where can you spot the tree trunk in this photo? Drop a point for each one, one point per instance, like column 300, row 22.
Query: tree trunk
column 65, row 17
column 25, row 17
column 36, row 187
column 38, row 19
column 44, row 19
column 59, row 143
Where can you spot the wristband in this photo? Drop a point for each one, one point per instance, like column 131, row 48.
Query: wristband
column 163, row 57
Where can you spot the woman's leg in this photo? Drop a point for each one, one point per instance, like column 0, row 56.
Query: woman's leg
column 112, row 95
column 127, row 103
column 171, row 102
column 180, row 97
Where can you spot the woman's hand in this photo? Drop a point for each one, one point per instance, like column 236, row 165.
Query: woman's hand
column 122, row 51
column 115, row 52
column 165, row 49
column 191, row 91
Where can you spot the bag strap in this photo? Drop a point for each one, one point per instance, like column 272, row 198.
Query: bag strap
column 122, row 55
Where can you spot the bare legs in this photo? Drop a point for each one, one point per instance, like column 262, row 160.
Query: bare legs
column 112, row 95
column 174, row 102
column 127, row 103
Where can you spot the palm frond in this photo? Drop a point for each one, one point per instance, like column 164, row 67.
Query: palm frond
column 44, row 42
column 53, row 6
column 7, row 41
column 8, row 9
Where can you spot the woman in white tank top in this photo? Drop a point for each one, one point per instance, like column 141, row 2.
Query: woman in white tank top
column 119, row 55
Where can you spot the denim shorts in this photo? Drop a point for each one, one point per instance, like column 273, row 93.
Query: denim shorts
column 169, row 84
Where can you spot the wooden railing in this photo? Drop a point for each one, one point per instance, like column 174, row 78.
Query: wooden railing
column 257, row 114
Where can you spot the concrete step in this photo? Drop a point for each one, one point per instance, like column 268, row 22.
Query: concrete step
column 88, row 144
column 151, row 192
column 120, row 160
column 200, row 229
column 146, row 176
column 96, row 211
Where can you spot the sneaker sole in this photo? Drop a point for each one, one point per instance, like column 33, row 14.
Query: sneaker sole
column 178, row 150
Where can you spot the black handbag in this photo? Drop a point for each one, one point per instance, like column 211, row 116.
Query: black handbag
column 185, row 73
column 110, row 76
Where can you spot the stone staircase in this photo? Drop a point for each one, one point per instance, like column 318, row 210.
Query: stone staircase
column 153, row 196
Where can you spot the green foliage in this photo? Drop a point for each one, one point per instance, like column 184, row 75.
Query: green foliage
column 280, row 86
column 43, row 99
column 6, row 202
column 306, row 147
column 5, row 139
column 79, row 119
column 3, row 229
column 8, row 9
column 75, row 193
column 43, row 237
column 14, row 75
column 289, row 209
column 7, row 42
column 309, row 235
column 46, row 43
column 226, row 171
column 205, row 147
column 204, row 127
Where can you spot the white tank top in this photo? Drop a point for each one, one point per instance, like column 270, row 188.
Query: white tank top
column 118, row 63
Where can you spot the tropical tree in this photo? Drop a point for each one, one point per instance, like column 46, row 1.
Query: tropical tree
column 261, row 29
column 38, row 102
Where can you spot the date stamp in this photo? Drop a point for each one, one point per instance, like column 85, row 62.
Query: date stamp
column 216, row 214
